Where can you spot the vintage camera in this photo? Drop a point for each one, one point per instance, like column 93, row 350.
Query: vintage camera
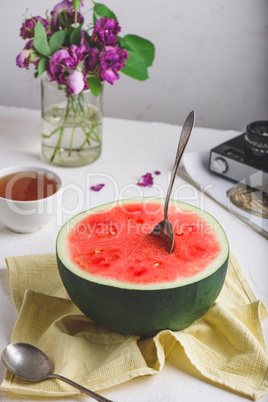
column 243, row 156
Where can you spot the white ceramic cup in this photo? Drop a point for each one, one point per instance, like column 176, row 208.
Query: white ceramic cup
column 28, row 216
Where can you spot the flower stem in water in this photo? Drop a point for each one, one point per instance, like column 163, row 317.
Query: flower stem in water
column 61, row 131
column 73, row 130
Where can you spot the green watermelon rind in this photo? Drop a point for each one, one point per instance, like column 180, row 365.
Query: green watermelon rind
column 143, row 309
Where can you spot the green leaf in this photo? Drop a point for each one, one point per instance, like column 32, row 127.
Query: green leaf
column 75, row 37
column 100, row 10
column 56, row 40
column 41, row 67
column 95, row 85
column 143, row 47
column 80, row 66
column 40, row 40
column 87, row 37
column 135, row 67
column 76, row 4
column 121, row 42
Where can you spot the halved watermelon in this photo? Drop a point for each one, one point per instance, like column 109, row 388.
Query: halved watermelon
column 123, row 278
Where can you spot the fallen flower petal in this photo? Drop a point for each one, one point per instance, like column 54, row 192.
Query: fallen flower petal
column 146, row 180
column 97, row 187
column 157, row 172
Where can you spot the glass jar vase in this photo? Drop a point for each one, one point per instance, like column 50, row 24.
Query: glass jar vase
column 71, row 125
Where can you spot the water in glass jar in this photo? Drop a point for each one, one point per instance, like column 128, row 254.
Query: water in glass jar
column 80, row 139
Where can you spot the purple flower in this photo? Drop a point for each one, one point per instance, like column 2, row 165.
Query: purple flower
column 77, row 54
column 109, row 76
column 23, row 59
column 63, row 14
column 91, row 58
column 112, row 59
column 105, row 31
column 97, row 187
column 62, row 66
column 29, row 44
column 75, row 82
column 56, row 66
column 27, row 56
column 58, row 69
column 146, row 180
column 27, row 28
column 85, row 53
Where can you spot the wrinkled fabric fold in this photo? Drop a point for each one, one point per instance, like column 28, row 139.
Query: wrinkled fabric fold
column 226, row 346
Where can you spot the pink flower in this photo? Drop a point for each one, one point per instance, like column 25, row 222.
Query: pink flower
column 75, row 82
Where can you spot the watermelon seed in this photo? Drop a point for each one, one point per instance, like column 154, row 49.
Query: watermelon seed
column 97, row 251
column 156, row 264
column 112, row 232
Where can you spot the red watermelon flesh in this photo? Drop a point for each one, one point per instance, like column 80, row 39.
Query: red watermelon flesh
column 117, row 244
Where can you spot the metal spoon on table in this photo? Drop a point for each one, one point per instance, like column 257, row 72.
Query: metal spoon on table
column 30, row 363
column 164, row 228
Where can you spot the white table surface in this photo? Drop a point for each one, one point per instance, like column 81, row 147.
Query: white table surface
column 130, row 149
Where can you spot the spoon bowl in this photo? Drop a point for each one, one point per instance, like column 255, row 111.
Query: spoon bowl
column 27, row 362
column 30, row 363
column 164, row 228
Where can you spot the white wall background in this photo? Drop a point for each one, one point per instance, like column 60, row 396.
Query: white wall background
column 211, row 56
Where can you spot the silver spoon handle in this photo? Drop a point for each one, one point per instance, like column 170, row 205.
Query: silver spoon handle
column 185, row 135
column 82, row 389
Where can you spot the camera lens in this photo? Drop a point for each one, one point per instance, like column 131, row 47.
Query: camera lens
column 256, row 140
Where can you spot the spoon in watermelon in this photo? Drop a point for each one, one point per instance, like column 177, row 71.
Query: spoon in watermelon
column 164, row 228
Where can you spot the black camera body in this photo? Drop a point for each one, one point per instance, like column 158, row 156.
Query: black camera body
column 243, row 156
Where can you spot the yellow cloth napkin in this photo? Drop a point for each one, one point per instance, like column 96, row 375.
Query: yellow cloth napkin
column 226, row 345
